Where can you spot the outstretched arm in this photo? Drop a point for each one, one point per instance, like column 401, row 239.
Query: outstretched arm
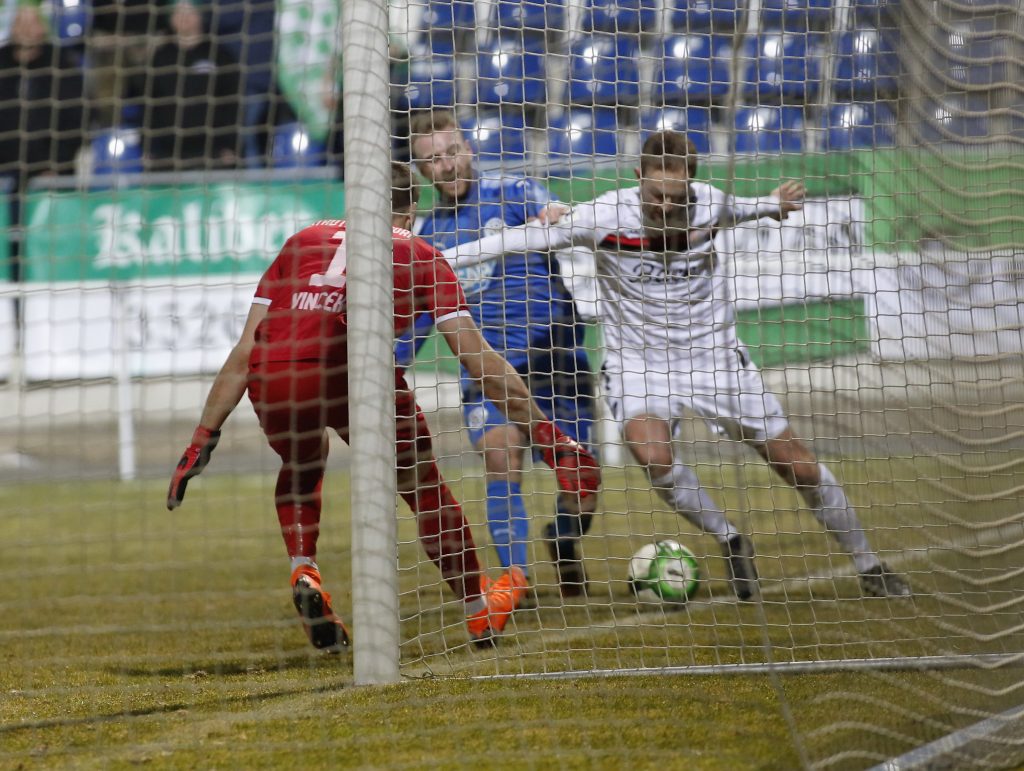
column 777, row 205
column 225, row 393
column 229, row 385
column 560, row 229
column 575, row 468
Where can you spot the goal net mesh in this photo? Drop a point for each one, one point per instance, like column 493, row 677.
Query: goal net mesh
column 150, row 183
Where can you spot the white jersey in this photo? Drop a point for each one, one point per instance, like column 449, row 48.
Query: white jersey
column 668, row 306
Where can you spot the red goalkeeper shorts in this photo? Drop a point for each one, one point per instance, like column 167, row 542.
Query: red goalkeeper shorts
column 295, row 401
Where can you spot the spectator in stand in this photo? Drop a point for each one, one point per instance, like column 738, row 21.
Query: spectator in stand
column 191, row 99
column 246, row 29
column 40, row 109
column 116, row 47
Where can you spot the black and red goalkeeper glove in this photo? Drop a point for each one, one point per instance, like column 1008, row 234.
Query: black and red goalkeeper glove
column 192, row 463
column 575, row 468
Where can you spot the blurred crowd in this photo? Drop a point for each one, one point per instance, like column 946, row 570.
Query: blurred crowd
column 160, row 85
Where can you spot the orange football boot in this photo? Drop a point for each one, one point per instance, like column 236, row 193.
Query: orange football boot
column 504, row 595
column 479, row 624
column 323, row 628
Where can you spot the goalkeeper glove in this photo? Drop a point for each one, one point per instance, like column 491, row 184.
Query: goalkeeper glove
column 192, row 462
column 575, row 468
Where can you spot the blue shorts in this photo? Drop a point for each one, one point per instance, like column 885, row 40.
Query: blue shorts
column 561, row 383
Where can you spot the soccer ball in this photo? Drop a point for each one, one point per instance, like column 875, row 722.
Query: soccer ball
column 665, row 572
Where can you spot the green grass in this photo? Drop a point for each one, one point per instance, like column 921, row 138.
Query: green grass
column 132, row 635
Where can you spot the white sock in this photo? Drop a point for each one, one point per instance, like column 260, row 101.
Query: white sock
column 833, row 510
column 475, row 605
column 681, row 490
column 300, row 561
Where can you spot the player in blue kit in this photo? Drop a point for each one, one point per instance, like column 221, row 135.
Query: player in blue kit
column 526, row 313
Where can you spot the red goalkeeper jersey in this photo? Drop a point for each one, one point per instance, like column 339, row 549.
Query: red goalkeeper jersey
column 306, row 290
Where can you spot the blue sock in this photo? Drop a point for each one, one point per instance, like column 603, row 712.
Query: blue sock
column 506, row 519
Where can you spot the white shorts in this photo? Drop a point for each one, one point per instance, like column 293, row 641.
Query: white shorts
column 725, row 389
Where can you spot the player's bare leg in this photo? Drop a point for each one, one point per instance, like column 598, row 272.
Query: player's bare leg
column 796, row 463
column 649, row 438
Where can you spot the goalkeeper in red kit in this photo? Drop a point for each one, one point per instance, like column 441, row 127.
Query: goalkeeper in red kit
column 292, row 358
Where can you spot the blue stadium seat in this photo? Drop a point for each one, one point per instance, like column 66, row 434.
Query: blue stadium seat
column 855, row 125
column 695, row 122
column 779, row 67
column 796, row 15
column 538, row 16
column 497, row 138
column 620, row 16
column 692, row 69
column 971, row 59
column 448, row 14
column 292, row 147
column 431, row 81
column 584, row 136
column 70, row 20
column 953, row 119
column 866, row 64
column 771, row 129
column 718, row 16
column 507, row 73
column 117, row 151
column 446, row 21
column 603, row 70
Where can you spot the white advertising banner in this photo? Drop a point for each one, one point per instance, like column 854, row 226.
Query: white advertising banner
column 8, row 329
column 957, row 309
column 168, row 327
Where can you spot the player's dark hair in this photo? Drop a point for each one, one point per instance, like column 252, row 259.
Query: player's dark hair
column 426, row 122
column 404, row 192
column 668, row 150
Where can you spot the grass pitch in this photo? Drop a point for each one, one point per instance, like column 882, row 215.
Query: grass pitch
column 132, row 635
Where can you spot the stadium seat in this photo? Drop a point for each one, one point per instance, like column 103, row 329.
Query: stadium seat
column 779, row 67
column 620, row 16
column 584, row 136
column 970, row 59
column 538, row 16
column 866, row 65
column 70, row 20
column 117, row 151
column 497, row 138
column 444, row 23
column 603, row 70
column 448, row 14
column 506, row 73
column 771, row 129
column 695, row 122
column 796, row 15
column 431, row 81
column 955, row 118
column 856, row 125
column 292, row 147
column 689, row 16
column 692, row 69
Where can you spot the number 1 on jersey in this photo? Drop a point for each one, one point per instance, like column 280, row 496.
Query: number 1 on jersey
column 335, row 275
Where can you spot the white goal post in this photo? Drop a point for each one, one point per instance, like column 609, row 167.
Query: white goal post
column 364, row 41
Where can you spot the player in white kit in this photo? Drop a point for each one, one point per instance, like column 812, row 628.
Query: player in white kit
column 668, row 318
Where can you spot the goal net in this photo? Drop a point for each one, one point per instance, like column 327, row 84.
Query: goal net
column 151, row 179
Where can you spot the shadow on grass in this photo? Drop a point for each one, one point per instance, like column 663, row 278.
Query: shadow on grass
column 298, row 661
column 164, row 709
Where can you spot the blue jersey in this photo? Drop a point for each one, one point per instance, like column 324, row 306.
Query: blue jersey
column 514, row 301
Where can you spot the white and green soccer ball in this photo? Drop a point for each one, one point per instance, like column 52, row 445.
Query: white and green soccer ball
column 664, row 572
